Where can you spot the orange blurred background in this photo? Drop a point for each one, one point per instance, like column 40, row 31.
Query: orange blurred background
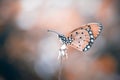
column 29, row 52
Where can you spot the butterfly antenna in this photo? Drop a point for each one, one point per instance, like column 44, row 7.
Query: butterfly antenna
column 53, row 32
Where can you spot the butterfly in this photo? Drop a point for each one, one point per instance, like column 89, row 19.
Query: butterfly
column 81, row 38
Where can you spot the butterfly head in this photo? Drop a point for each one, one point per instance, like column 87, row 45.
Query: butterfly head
column 63, row 39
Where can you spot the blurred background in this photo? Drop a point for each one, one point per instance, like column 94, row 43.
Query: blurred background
column 29, row 52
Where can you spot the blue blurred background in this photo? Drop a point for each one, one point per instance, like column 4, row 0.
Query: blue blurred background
column 29, row 52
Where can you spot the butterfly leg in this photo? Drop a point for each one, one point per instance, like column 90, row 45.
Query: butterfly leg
column 63, row 52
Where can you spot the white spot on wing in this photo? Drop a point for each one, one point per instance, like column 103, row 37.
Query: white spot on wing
column 88, row 47
column 91, row 36
column 90, row 32
column 85, row 49
column 92, row 40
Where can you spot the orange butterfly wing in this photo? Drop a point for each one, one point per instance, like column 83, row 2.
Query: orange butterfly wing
column 84, row 36
column 96, row 28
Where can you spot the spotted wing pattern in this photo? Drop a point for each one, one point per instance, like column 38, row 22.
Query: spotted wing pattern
column 95, row 28
column 84, row 36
